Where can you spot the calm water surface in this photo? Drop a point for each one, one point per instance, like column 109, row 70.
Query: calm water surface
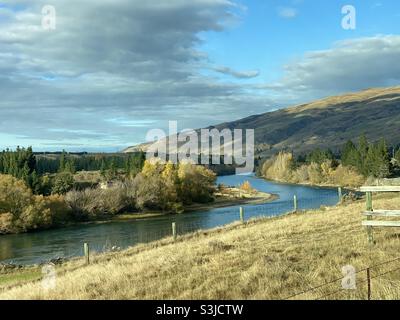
column 42, row 246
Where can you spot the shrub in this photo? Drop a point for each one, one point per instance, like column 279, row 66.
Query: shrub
column 114, row 200
column 327, row 170
column 80, row 203
column 6, row 223
column 300, row 175
column 315, row 173
column 279, row 167
column 60, row 211
column 94, row 203
column 348, row 176
column 149, row 192
column 35, row 216
column 282, row 168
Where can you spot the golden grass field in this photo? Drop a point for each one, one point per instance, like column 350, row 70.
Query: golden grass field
column 262, row 259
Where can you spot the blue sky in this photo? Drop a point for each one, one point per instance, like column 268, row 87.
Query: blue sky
column 264, row 40
column 113, row 70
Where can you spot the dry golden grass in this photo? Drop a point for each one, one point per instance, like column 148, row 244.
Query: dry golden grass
column 348, row 98
column 262, row 259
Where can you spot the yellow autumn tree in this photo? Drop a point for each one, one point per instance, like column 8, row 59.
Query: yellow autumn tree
column 279, row 167
column 197, row 183
column 246, row 187
column 153, row 166
column 171, row 186
column 20, row 210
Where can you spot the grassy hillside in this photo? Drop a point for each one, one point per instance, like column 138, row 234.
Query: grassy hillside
column 328, row 122
column 262, row 259
column 324, row 123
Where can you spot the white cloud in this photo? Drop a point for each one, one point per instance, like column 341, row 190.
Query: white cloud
column 287, row 12
column 350, row 65
column 237, row 74
column 120, row 59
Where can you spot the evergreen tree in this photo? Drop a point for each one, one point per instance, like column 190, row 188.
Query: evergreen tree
column 351, row 156
column 62, row 162
column 30, row 159
column 363, row 147
column 63, row 183
column 319, row 156
column 382, row 165
column 112, row 170
column 127, row 168
column 20, row 163
column 397, row 156
column 35, row 183
column 24, row 174
column 45, row 185
column 70, row 166
column 377, row 162
column 135, row 163
column 103, row 169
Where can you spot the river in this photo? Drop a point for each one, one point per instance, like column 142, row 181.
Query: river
column 37, row 247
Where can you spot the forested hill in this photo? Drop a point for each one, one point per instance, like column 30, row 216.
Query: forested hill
column 326, row 123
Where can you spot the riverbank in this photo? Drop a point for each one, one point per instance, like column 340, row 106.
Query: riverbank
column 310, row 184
column 261, row 259
column 230, row 196
column 369, row 182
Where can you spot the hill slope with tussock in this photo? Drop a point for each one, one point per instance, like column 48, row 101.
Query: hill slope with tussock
column 262, row 259
column 324, row 123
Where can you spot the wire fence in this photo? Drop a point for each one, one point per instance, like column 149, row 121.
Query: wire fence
column 363, row 288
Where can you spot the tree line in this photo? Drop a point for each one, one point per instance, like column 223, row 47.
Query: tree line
column 45, row 175
column 71, row 162
column 375, row 160
column 20, row 164
column 350, row 166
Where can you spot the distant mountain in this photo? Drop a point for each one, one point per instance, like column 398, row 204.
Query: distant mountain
column 326, row 123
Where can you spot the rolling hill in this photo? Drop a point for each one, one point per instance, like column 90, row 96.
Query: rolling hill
column 324, row 123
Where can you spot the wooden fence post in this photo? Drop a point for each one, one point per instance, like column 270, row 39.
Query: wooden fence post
column 174, row 230
column 369, row 201
column 340, row 194
column 295, row 203
column 369, row 283
column 369, row 208
column 241, row 215
column 86, row 251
